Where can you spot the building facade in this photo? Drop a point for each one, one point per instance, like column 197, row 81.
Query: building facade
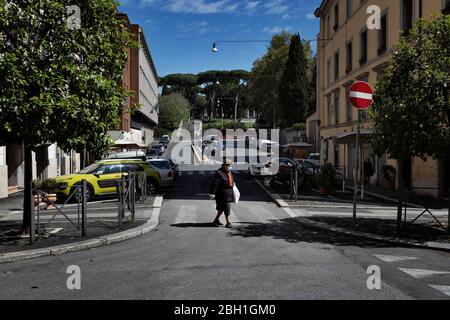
column 349, row 51
column 144, row 84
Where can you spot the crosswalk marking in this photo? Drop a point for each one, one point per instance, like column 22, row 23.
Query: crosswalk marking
column 262, row 213
column 444, row 289
column 186, row 214
column 389, row 258
column 422, row 273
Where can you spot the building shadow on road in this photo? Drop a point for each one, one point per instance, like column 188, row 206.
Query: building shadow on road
column 194, row 225
column 294, row 232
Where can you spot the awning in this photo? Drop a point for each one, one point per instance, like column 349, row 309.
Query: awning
column 298, row 145
column 122, row 143
column 350, row 137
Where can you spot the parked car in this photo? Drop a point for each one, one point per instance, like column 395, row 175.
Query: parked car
column 315, row 157
column 313, row 169
column 164, row 168
column 159, row 146
column 175, row 169
column 282, row 176
column 153, row 153
column 102, row 175
column 165, row 140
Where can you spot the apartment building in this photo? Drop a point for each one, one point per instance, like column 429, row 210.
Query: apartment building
column 139, row 75
column 144, row 84
column 349, row 51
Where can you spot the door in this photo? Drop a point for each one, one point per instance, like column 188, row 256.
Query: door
column 406, row 173
column 107, row 175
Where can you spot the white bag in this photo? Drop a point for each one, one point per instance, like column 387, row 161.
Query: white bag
column 236, row 194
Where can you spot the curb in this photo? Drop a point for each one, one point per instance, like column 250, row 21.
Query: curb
column 150, row 225
column 323, row 226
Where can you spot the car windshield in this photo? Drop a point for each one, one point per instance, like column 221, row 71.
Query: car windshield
column 90, row 169
column 160, row 164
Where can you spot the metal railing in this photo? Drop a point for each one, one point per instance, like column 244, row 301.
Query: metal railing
column 131, row 188
column 39, row 197
column 402, row 207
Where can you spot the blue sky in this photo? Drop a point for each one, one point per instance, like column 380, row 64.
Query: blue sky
column 180, row 33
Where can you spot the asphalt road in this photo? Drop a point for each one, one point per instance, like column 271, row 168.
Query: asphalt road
column 265, row 255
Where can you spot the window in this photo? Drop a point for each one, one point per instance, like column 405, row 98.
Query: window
column 336, row 17
column 336, row 155
column 110, row 169
column 382, row 35
column 407, row 15
column 336, row 66
column 349, row 57
column 131, row 167
column 348, row 105
column 329, row 27
column 349, row 8
column 363, row 57
column 446, row 9
column 336, row 107
column 329, row 72
column 330, row 111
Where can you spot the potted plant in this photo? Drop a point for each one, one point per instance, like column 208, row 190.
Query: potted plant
column 44, row 192
column 389, row 174
column 326, row 179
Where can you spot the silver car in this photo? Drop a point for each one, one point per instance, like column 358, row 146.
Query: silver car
column 164, row 167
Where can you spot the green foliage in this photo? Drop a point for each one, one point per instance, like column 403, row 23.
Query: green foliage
column 185, row 84
column 294, row 86
column 227, row 124
column 298, row 126
column 173, row 109
column 327, row 176
column 411, row 111
column 388, row 172
column 60, row 85
column 47, row 185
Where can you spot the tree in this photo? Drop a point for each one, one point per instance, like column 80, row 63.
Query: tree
column 173, row 109
column 186, row 84
column 59, row 85
column 265, row 79
column 294, row 87
column 411, row 110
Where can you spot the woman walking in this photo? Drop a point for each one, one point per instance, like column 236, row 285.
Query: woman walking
column 222, row 191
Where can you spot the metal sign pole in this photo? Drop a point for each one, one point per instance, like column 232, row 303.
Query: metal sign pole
column 83, row 209
column 356, row 178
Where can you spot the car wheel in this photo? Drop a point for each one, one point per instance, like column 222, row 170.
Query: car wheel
column 89, row 193
column 151, row 187
column 267, row 181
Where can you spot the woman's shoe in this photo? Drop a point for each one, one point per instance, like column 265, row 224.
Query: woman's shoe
column 228, row 225
column 217, row 223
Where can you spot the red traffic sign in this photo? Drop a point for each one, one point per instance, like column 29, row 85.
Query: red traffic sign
column 361, row 95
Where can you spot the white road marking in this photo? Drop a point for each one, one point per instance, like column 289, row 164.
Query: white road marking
column 202, row 172
column 295, row 214
column 186, row 214
column 444, row 289
column 190, row 173
column 233, row 217
column 180, row 173
column 422, row 273
column 262, row 213
column 389, row 258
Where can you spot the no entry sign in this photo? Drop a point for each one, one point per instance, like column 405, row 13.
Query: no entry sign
column 361, row 95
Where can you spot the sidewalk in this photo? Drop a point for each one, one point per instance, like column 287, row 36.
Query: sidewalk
column 376, row 221
column 102, row 221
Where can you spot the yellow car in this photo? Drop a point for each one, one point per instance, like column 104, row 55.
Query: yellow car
column 101, row 177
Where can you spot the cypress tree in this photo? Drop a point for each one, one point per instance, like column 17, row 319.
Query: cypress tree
column 294, row 86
